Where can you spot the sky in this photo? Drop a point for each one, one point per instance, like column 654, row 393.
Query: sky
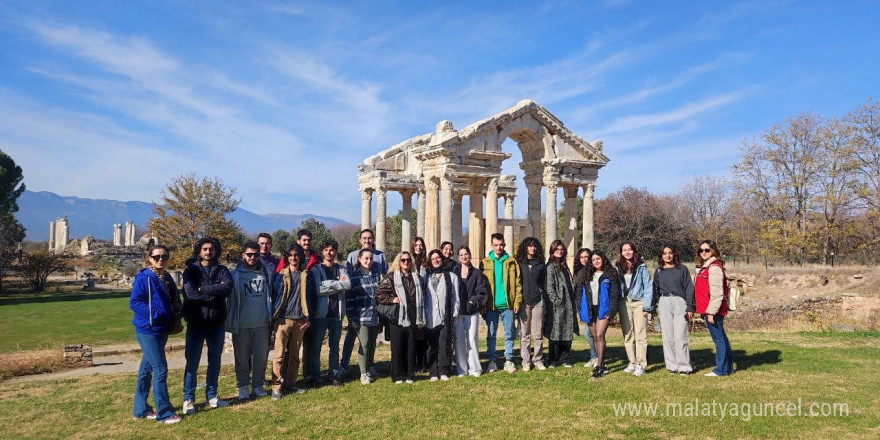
column 281, row 100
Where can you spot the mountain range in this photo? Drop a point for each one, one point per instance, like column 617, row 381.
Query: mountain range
column 96, row 217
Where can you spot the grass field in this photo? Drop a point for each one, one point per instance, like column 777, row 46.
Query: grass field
column 821, row 368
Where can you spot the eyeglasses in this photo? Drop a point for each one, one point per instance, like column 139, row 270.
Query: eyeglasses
column 250, row 254
column 405, row 260
column 163, row 257
column 705, row 250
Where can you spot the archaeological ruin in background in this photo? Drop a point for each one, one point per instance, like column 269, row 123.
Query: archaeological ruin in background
column 440, row 168
column 59, row 231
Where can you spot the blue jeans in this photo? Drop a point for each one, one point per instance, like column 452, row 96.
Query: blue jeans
column 590, row 341
column 506, row 316
column 723, row 355
column 334, row 334
column 153, row 370
column 195, row 338
column 312, row 341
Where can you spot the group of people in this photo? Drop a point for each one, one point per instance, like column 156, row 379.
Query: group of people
column 425, row 302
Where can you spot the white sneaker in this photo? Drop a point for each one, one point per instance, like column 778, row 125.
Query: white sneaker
column 630, row 368
column 434, row 378
column 526, row 367
column 398, row 382
column 540, row 366
column 591, row 363
column 444, row 377
column 476, row 374
column 509, row 367
column 217, row 403
column 491, row 367
column 711, row 374
column 189, row 407
column 409, row 381
column 639, row 371
column 243, row 393
column 171, row 420
column 365, row 379
column 259, row 392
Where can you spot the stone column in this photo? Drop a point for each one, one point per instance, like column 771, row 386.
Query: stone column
column 432, row 214
column 491, row 211
column 550, row 216
column 570, row 222
column 587, row 238
column 420, row 213
column 534, row 217
column 63, row 230
column 475, row 220
column 445, row 209
column 381, row 213
column 508, row 214
column 117, row 234
column 456, row 220
column 406, row 220
column 52, row 236
column 366, row 202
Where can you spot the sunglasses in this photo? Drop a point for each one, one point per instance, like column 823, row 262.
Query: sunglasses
column 705, row 250
column 163, row 257
column 405, row 260
column 250, row 254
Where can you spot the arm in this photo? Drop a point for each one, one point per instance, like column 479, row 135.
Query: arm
column 456, row 283
column 223, row 288
column 552, row 288
column 516, row 280
column 648, row 300
column 688, row 286
column 716, row 289
column 138, row 301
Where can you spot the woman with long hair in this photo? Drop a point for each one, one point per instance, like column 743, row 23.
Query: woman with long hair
column 635, row 284
column 156, row 306
column 602, row 289
column 559, row 322
column 674, row 293
column 447, row 251
column 402, row 289
column 530, row 256
column 581, row 262
column 472, row 298
column 360, row 309
column 710, row 296
column 441, row 310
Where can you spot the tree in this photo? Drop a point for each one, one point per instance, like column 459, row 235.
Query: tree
column 347, row 235
column 11, row 233
column 37, row 266
column 865, row 123
column 10, row 184
column 281, row 239
column 707, row 199
column 192, row 208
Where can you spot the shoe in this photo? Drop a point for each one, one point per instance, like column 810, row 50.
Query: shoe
column 171, row 420
column 336, row 381
column 293, row 390
column 630, row 368
column 599, row 371
column 639, row 371
column 509, row 367
column 491, row 367
column 462, row 374
column 444, row 377
column 567, row 365
column 217, row 403
column 150, row 416
column 409, row 381
column 434, row 378
column 540, row 366
column 188, row 407
column 373, row 373
column 259, row 392
column 685, row 372
column 526, row 367
column 365, row 379
column 476, row 374
column 711, row 374
column 276, row 395
column 552, row 365
column 591, row 363
column 243, row 393
column 398, row 382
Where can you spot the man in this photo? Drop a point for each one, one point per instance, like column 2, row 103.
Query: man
column 304, row 239
column 290, row 321
column 249, row 313
column 206, row 285
column 367, row 239
column 269, row 261
column 505, row 296
column 330, row 284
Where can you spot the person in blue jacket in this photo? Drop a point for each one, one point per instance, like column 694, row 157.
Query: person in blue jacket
column 598, row 303
column 156, row 306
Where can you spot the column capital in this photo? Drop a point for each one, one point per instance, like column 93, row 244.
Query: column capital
column 431, row 184
column 589, row 189
column 493, row 184
column 366, row 193
column 571, row 192
column 406, row 194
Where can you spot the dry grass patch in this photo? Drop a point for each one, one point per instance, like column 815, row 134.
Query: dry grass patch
column 24, row 363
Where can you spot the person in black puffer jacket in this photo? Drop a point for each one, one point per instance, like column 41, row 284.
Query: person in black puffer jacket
column 530, row 256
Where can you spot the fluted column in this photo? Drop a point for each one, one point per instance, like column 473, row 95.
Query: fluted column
column 445, row 209
column 420, row 213
column 550, row 216
column 476, row 240
column 432, row 214
column 381, row 213
column 534, row 218
column 366, row 201
column 570, row 222
column 491, row 211
column 406, row 220
column 456, row 219
column 587, row 238
column 508, row 214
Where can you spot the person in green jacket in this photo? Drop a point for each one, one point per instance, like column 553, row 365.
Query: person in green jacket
column 505, row 297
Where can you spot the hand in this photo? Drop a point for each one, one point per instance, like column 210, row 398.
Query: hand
column 516, row 310
column 645, row 314
column 710, row 319
column 689, row 316
column 396, row 300
column 304, row 326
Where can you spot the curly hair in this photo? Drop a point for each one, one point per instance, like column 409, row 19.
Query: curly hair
column 522, row 250
column 218, row 249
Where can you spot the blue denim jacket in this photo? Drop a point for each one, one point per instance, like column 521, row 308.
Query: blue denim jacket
column 640, row 288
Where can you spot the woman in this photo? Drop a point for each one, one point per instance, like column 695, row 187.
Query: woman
column 360, row 309
column 472, row 296
column 402, row 288
column 530, row 256
column 560, row 323
column 420, row 266
column 441, row 310
column 635, row 283
column 290, row 320
column 156, row 306
column 710, row 296
column 581, row 261
column 674, row 292
column 447, row 250
column 601, row 291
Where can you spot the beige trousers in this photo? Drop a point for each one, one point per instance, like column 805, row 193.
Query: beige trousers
column 635, row 332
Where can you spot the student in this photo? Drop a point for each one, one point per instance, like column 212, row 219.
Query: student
column 559, row 321
column 505, row 296
column 156, row 306
column 602, row 290
column 360, row 309
column 264, row 240
column 331, row 283
column 248, row 317
column 352, row 265
column 581, row 261
column 419, row 265
column 447, row 251
column 290, row 321
column 710, row 296
column 366, row 239
column 636, row 305
column 674, row 294
column 402, row 288
column 441, row 310
column 471, row 299
column 530, row 256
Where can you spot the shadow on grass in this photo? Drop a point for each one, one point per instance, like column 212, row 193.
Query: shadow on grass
column 59, row 297
column 703, row 358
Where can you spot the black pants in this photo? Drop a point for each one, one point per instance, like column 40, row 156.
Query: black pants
column 439, row 361
column 559, row 352
column 421, row 353
column 403, row 352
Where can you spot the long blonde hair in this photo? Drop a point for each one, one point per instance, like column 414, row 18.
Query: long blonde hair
column 395, row 266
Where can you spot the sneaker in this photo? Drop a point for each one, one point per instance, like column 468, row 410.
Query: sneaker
column 217, row 403
column 373, row 373
column 189, row 407
column 526, row 367
column 630, row 368
column 409, row 381
column 509, row 367
column 462, row 374
column 567, row 365
column 591, row 363
column 685, row 372
column 150, row 416
column 171, row 420
column 491, row 367
column 293, row 389
column 365, row 379
column 476, row 374
column 259, row 392
column 398, row 382
column 540, row 366
column 599, row 371
column 434, row 378
column 444, row 377
column 552, row 365
column 639, row 371
column 276, row 395
column 711, row 374
column 243, row 393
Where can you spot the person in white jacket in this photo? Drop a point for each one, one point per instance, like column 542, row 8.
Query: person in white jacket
column 441, row 310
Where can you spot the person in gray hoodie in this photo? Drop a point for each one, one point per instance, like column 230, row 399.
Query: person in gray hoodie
column 248, row 318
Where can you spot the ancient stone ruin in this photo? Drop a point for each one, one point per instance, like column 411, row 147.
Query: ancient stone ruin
column 117, row 234
column 130, row 231
column 58, row 234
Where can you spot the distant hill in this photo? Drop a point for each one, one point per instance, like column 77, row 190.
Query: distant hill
column 96, row 217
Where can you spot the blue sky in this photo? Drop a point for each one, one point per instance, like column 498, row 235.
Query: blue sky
column 283, row 99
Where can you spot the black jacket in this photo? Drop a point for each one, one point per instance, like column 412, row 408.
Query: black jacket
column 472, row 292
column 534, row 282
column 204, row 297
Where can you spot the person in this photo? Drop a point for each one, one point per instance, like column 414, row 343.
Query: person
column 420, row 266
column 471, row 298
column 269, row 261
column 360, row 309
column 156, row 305
column 366, row 240
column 441, row 311
column 206, row 285
column 559, row 321
column 331, row 283
column 447, row 251
column 248, row 317
column 674, row 294
column 530, row 256
column 505, row 296
column 635, row 307
column 402, row 289
column 710, row 297
column 601, row 292
column 581, row 261
column 290, row 320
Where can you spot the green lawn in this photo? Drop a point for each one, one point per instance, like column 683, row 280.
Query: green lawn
column 559, row 403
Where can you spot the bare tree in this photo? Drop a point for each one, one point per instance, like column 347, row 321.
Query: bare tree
column 708, row 199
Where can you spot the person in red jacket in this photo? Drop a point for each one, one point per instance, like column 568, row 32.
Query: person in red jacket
column 710, row 295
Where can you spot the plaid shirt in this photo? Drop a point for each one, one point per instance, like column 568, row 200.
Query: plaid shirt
column 360, row 303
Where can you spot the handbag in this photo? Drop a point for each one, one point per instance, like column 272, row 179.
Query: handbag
column 387, row 312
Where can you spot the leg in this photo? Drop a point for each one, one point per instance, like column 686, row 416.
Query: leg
column 294, row 344
column 589, row 337
column 144, row 378
column 626, row 326
column 680, row 341
column 398, row 353
column 260, row 356
column 411, row 333
column 432, row 339
column 473, row 344
column 216, row 338
column 564, row 352
column 668, row 331
column 601, row 328
column 445, row 360
column 509, row 333
column 491, row 334
column 334, row 334
column 716, row 331
column 282, row 339
column 241, row 349
column 537, row 331
column 195, row 340
column 372, row 335
column 351, row 334
column 318, row 330
column 363, row 336
column 461, row 344
column 525, row 333
column 640, row 332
